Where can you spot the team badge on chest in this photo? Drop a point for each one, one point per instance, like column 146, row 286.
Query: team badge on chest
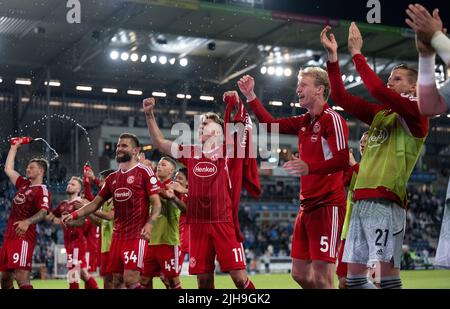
column 130, row 180
column 316, row 128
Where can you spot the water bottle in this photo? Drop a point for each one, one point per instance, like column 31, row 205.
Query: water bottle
column 87, row 168
column 25, row 140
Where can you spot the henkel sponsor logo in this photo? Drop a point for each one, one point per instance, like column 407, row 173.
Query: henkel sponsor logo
column 205, row 169
column 122, row 194
column 19, row 199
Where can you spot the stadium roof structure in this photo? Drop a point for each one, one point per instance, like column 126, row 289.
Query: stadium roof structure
column 221, row 42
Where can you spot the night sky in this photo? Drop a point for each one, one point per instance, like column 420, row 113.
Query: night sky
column 392, row 11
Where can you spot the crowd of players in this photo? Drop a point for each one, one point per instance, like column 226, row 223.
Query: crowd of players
column 141, row 212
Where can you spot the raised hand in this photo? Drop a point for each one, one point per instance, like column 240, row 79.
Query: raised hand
column 148, row 104
column 246, row 85
column 329, row 44
column 423, row 24
column 355, row 41
column 423, row 48
column 233, row 95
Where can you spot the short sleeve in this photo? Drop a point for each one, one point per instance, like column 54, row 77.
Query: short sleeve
column 151, row 182
column 21, row 181
column 105, row 191
column 43, row 199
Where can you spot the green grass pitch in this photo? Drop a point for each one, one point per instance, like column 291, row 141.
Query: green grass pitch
column 417, row 279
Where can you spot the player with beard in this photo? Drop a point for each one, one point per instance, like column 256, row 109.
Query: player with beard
column 29, row 206
column 133, row 187
column 74, row 239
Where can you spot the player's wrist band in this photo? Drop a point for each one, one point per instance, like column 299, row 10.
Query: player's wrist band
column 426, row 70
column 441, row 43
column 74, row 215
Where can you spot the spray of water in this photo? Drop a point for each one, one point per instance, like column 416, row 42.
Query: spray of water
column 41, row 122
column 55, row 154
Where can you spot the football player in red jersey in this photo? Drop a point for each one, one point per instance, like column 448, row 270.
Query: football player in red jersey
column 29, row 206
column 323, row 155
column 209, row 213
column 74, row 238
column 133, row 187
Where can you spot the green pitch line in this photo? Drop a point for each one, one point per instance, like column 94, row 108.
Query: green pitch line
column 418, row 279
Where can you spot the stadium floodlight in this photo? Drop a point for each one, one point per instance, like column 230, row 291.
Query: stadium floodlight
column 279, row 71
column 183, row 96
column 287, row 72
column 114, row 55
column 134, row 57
column 134, row 92
column 183, row 62
column 153, row 59
column 276, row 103
column 84, row 88
column 351, row 78
column 206, row 98
column 263, row 70
column 172, row 61
column 23, row 81
column 124, row 56
column 271, row 70
column 159, row 94
column 99, row 106
column 53, row 83
column 162, row 59
column 109, row 90
column 143, row 58
column 358, row 79
column 344, row 77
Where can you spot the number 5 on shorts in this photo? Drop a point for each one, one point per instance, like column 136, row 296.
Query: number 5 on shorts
column 324, row 244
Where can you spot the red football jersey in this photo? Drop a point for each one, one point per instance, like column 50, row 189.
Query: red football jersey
column 209, row 187
column 72, row 234
column 130, row 191
column 322, row 144
column 28, row 200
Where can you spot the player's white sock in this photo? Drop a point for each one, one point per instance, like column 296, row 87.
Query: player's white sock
column 359, row 282
column 393, row 282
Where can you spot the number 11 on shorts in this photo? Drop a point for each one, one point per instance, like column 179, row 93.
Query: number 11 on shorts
column 238, row 254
